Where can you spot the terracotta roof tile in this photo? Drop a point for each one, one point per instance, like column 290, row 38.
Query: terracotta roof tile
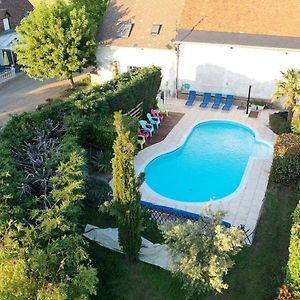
column 261, row 17
column 16, row 9
column 143, row 14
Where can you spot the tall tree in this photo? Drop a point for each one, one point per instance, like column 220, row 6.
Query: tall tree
column 289, row 89
column 56, row 40
column 126, row 192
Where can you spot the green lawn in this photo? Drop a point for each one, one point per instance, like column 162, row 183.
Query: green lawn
column 258, row 272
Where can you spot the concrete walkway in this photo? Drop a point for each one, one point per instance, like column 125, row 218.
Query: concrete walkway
column 244, row 204
column 24, row 94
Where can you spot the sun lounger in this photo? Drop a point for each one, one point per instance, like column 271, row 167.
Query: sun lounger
column 217, row 102
column 191, row 98
column 206, row 100
column 228, row 102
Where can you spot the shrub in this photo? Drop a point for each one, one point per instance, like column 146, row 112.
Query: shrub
column 279, row 124
column 286, row 162
column 101, row 161
column 293, row 273
column 123, row 93
column 97, row 191
column 42, row 247
column 285, row 294
column 201, row 252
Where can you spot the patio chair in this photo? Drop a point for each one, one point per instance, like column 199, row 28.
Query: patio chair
column 217, row 102
column 158, row 114
column 206, row 100
column 228, row 102
column 153, row 120
column 144, row 133
column 191, row 98
column 146, row 126
column 141, row 141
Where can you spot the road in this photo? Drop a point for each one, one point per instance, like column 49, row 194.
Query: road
column 24, row 94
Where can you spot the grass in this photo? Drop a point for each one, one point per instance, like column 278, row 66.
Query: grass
column 258, row 273
column 121, row 280
column 260, row 269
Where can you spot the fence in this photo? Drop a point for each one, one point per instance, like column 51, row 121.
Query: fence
column 161, row 214
column 7, row 74
column 137, row 111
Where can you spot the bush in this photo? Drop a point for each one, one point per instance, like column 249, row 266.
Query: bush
column 42, row 248
column 201, row 252
column 279, row 124
column 123, row 93
column 293, row 274
column 286, row 161
column 97, row 191
column 285, row 294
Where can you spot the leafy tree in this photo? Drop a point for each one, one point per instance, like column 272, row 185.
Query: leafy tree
column 289, row 88
column 56, row 41
column 126, row 192
column 201, row 252
column 95, row 10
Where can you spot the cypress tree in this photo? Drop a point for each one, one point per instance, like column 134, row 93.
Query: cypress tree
column 126, row 192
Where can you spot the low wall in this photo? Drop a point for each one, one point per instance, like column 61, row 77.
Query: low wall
column 7, row 75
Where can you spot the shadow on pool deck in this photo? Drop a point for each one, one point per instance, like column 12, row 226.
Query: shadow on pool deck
column 166, row 126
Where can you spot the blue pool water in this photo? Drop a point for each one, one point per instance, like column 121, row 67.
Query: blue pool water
column 210, row 164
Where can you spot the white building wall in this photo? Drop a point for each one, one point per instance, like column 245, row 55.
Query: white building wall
column 137, row 57
column 231, row 69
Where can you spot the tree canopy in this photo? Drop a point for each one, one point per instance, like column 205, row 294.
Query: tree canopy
column 58, row 39
column 201, row 252
column 289, row 90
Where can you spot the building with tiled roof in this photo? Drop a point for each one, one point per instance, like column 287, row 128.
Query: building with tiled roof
column 17, row 10
column 214, row 46
column 11, row 14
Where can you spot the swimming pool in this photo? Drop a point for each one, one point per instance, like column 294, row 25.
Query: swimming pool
column 209, row 165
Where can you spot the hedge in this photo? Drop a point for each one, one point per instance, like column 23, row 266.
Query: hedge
column 293, row 266
column 124, row 93
column 286, row 161
column 279, row 124
column 42, row 252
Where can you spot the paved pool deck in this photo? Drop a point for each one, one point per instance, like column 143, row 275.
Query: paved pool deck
column 244, row 205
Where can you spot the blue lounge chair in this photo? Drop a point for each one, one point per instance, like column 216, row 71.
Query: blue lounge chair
column 146, row 126
column 206, row 99
column 191, row 98
column 228, row 102
column 217, row 102
column 153, row 120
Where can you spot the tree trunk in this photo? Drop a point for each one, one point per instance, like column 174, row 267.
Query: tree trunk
column 71, row 80
column 290, row 114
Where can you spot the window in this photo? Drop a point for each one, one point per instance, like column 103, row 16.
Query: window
column 6, row 24
column 124, row 30
column 155, row 29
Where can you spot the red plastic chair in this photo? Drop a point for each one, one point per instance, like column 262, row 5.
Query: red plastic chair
column 158, row 114
column 144, row 133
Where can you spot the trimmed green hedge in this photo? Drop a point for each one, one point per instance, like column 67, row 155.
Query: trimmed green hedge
column 286, row 162
column 123, row 94
column 293, row 272
column 42, row 251
column 279, row 125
